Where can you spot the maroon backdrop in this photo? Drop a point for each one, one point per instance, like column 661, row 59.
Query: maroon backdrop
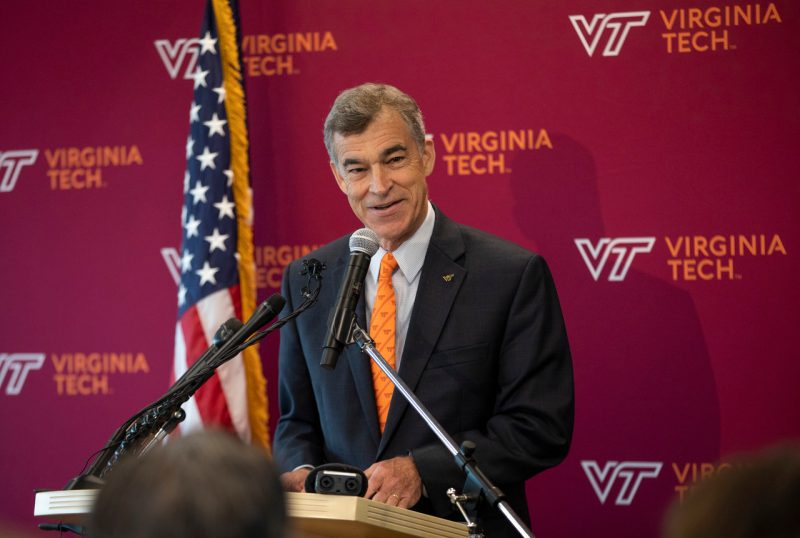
column 648, row 149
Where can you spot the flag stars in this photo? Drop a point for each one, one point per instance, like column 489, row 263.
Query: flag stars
column 215, row 126
column 208, row 44
column 194, row 113
column 216, row 241
column 221, row 92
column 204, row 189
column 199, row 77
column 207, row 274
column 225, row 208
column 207, row 159
column 186, row 261
column 198, row 192
column 192, row 227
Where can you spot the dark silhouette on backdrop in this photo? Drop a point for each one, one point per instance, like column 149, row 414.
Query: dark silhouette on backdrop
column 645, row 390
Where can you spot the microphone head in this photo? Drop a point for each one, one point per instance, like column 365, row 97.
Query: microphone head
column 275, row 303
column 364, row 240
column 265, row 312
column 225, row 331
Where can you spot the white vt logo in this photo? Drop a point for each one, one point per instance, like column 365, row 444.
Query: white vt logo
column 173, row 261
column 13, row 161
column 623, row 248
column 615, row 25
column 174, row 55
column 631, row 474
column 16, row 366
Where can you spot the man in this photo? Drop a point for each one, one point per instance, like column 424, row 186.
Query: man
column 479, row 334
column 207, row 484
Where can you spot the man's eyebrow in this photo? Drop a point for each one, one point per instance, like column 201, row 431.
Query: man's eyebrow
column 351, row 160
column 384, row 154
column 388, row 151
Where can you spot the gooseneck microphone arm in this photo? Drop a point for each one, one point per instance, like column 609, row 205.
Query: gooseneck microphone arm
column 145, row 429
column 163, row 415
column 313, row 269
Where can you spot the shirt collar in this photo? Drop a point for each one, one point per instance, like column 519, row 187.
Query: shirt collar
column 411, row 254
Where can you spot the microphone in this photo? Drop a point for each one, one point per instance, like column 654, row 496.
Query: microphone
column 363, row 244
column 226, row 331
column 223, row 334
column 264, row 313
column 224, row 346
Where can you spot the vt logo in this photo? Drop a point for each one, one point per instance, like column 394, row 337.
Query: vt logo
column 13, row 161
column 15, row 367
column 174, row 55
column 623, row 248
column 629, row 473
column 173, row 261
column 615, row 26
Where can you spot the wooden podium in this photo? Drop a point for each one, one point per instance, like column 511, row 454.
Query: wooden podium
column 310, row 515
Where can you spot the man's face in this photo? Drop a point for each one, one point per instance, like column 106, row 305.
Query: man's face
column 383, row 175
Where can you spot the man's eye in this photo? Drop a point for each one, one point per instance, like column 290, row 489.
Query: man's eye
column 396, row 159
column 355, row 170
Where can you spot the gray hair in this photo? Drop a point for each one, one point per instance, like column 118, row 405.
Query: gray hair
column 355, row 108
column 205, row 485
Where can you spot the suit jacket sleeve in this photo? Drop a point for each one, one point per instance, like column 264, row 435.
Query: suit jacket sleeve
column 531, row 425
column 298, row 434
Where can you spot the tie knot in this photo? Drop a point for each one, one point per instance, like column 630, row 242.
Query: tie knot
column 388, row 264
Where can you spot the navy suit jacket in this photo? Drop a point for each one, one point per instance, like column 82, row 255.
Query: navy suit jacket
column 486, row 352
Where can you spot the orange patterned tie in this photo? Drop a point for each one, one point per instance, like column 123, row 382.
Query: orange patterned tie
column 382, row 330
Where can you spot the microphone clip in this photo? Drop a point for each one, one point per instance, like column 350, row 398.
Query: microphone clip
column 313, row 269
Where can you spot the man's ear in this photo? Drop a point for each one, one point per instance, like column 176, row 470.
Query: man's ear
column 428, row 156
column 339, row 178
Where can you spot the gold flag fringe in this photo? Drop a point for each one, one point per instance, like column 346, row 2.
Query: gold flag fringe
column 235, row 107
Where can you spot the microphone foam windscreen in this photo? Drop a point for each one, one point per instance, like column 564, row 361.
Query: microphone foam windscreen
column 364, row 240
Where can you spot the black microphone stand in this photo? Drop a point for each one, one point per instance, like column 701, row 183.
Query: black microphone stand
column 477, row 487
column 144, row 430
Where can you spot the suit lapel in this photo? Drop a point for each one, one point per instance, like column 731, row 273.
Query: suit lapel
column 439, row 283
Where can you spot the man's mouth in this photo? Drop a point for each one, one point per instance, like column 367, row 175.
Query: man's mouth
column 386, row 205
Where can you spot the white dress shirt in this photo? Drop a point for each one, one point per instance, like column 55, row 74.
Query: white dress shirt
column 410, row 256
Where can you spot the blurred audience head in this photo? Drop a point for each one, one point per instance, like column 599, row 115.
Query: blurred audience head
column 206, row 484
column 756, row 497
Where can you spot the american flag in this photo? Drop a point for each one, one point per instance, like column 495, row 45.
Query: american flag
column 217, row 269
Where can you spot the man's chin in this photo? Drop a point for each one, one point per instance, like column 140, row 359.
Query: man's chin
column 387, row 228
column 389, row 237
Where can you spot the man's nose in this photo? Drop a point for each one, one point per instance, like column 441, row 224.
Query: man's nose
column 381, row 181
